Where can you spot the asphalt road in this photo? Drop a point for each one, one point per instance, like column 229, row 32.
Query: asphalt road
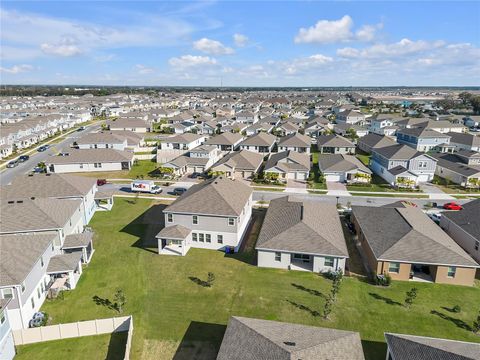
column 7, row 174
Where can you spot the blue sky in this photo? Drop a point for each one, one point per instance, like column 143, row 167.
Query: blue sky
column 241, row 43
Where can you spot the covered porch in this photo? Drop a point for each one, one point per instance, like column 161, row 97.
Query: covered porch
column 104, row 200
column 80, row 243
column 68, row 268
column 301, row 262
column 174, row 240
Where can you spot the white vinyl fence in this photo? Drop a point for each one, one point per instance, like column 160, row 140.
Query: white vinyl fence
column 77, row 329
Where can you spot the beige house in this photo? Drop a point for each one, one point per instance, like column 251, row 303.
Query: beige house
column 239, row 165
column 289, row 165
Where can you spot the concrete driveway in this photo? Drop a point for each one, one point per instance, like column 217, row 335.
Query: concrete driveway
column 337, row 189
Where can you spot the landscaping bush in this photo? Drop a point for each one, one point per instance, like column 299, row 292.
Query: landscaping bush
column 456, row 309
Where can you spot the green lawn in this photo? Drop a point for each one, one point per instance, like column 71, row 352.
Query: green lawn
column 173, row 314
column 364, row 158
column 451, row 188
column 316, row 182
column 107, row 346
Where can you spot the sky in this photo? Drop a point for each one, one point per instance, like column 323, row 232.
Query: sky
column 241, row 43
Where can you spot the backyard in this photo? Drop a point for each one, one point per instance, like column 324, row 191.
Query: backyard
column 175, row 315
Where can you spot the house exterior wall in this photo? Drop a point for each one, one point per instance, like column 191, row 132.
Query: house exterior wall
column 454, row 176
column 7, row 347
column 470, row 244
column 86, row 167
column 463, row 276
column 116, row 146
column 266, row 258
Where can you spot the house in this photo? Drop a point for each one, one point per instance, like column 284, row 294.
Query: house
column 401, row 165
column 7, row 346
column 286, row 128
column 334, row 144
column 464, row 141
column 464, row 227
column 257, row 128
column 243, row 164
column 374, row 141
column 55, row 186
column 383, row 126
column 102, row 140
column 226, row 141
column 288, row 165
column 90, row 160
column 295, row 142
column 408, row 347
column 198, row 160
column 315, row 128
column 294, row 237
column 407, row 245
column 345, row 129
column 259, row 143
column 182, row 142
column 131, row 124
column 456, row 169
column 350, row 117
column 249, row 339
column 210, row 215
column 343, row 168
column 422, row 139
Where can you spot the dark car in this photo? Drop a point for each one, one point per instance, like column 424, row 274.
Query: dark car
column 194, row 175
column 179, row 191
column 42, row 148
column 101, row 182
column 12, row 164
column 23, row 158
column 81, row 128
column 38, row 170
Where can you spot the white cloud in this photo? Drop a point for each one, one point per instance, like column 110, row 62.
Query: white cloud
column 327, row 31
column 302, row 65
column 366, row 33
column 186, row 61
column 212, row 47
column 401, row 48
column 17, row 69
column 143, row 70
column 66, row 47
column 240, row 40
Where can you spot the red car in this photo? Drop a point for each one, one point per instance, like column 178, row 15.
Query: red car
column 101, row 182
column 452, row 206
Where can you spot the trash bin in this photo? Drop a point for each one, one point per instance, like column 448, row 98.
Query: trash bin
column 434, row 205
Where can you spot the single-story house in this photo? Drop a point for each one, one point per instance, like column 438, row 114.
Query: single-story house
column 260, row 143
column 334, row 144
column 226, row 141
column 252, row 339
column 295, row 237
column 288, row 165
column 90, row 160
column 343, row 168
column 407, row 245
column 374, row 141
column 295, row 142
column 454, row 169
column 239, row 165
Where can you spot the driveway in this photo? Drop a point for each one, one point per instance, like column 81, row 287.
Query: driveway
column 296, row 186
column 435, row 192
column 337, row 189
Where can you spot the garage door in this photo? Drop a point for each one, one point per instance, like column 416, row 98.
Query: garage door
column 300, row 176
column 332, row 177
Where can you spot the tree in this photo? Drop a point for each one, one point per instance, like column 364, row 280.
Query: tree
column 210, row 279
column 411, row 295
column 476, row 324
column 352, row 134
column 327, row 308
column 120, row 300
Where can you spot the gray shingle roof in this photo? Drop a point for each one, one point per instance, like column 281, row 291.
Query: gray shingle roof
column 468, row 218
column 19, row 255
column 218, row 196
column 340, row 163
column 302, row 226
column 297, row 140
column 33, row 215
column 183, row 138
column 48, row 186
column 409, row 347
column 177, row 232
column 78, row 240
column 464, row 138
column 91, row 156
column 242, row 160
column 334, row 141
column 64, row 262
column 255, row 339
column 373, row 140
column 453, row 163
column 289, row 161
column 408, row 234
column 260, row 139
column 225, row 138
column 397, row 152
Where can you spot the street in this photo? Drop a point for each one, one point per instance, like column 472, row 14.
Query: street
column 7, row 174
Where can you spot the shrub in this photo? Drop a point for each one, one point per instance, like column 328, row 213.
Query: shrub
column 456, row 309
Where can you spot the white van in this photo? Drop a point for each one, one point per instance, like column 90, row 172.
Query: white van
column 146, row 186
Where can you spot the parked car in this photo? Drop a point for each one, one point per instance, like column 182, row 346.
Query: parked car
column 12, row 164
column 23, row 158
column 42, row 148
column 101, row 182
column 452, row 206
column 435, row 217
column 81, row 128
column 38, row 170
column 194, row 175
column 179, row 191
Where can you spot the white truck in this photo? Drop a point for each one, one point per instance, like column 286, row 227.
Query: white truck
column 146, row 186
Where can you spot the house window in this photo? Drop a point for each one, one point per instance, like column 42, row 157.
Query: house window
column 208, row 238
column 2, row 318
column 32, row 300
column 477, row 244
column 169, row 217
column 302, row 257
column 195, row 220
column 422, row 164
column 329, row 261
column 38, row 292
column 394, row 267
column 278, row 256
column 41, row 261
column 194, row 236
column 451, row 271
column 201, row 237
column 231, row 221
column 7, row 294
column 23, row 287
column 81, row 166
column 220, row 239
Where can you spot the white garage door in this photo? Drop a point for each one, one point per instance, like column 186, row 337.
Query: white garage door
column 300, row 176
column 332, row 177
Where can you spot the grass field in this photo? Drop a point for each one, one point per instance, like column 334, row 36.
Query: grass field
column 108, row 346
column 175, row 316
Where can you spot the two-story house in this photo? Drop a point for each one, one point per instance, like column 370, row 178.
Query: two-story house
column 422, row 139
column 401, row 165
column 211, row 215
column 7, row 346
column 197, row 160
